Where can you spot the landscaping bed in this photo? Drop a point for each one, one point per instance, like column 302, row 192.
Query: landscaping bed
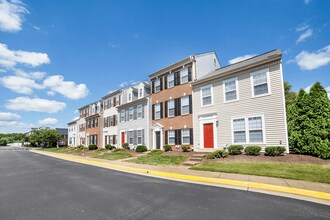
column 310, row 172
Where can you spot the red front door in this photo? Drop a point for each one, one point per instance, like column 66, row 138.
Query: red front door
column 122, row 137
column 208, row 136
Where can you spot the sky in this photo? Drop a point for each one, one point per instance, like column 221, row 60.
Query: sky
column 57, row 56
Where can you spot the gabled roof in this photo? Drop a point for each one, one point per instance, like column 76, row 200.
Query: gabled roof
column 242, row 65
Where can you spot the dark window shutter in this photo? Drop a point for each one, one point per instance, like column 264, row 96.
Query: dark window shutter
column 178, row 137
column 161, row 110
column 165, row 82
column 153, row 86
column 127, row 114
column 189, row 74
column 119, row 99
column 166, row 109
column 191, row 136
column 142, row 136
column 135, row 137
column 153, row 112
column 161, row 83
column 179, row 106
column 114, row 120
column 190, row 105
column 135, row 113
column 142, row 111
column 177, row 78
column 166, row 137
column 114, row 101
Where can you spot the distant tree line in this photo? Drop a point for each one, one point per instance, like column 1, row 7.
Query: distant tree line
column 10, row 138
column 308, row 116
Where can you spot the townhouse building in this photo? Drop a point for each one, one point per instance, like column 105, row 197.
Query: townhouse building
column 93, row 125
column 134, row 116
column 242, row 103
column 110, row 118
column 73, row 137
column 171, row 94
column 81, row 123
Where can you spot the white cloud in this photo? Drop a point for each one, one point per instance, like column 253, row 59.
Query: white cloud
column 308, row 88
column 48, row 121
column 313, row 60
column 302, row 27
column 31, row 75
column 35, row 105
column 123, row 84
column 241, row 58
column 11, row 15
column 51, row 93
column 8, row 116
column 9, row 58
column 307, row 34
column 113, row 45
column 19, row 84
column 328, row 91
column 69, row 89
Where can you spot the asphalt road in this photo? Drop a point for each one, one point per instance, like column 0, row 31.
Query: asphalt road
column 35, row 187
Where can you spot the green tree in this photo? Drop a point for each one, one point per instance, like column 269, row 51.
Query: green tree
column 3, row 142
column 45, row 137
column 290, row 96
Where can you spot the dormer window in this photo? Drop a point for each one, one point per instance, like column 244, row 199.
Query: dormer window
column 129, row 96
column 141, row 92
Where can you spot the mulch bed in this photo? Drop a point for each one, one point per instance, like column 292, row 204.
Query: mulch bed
column 289, row 158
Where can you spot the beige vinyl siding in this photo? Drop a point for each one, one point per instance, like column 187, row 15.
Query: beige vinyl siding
column 270, row 106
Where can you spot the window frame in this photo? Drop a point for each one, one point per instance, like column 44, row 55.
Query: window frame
column 122, row 115
column 142, row 92
column 224, row 90
column 187, row 97
column 129, row 96
column 130, row 136
column 182, row 75
column 168, row 108
column 137, row 137
column 139, row 112
column 170, row 136
column 131, row 110
column 247, row 130
column 158, row 104
column 201, row 92
column 268, row 82
column 155, row 89
column 168, row 81
column 182, row 136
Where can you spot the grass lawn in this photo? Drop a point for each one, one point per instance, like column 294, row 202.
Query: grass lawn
column 114, row 155
column 311, row 172
column 160, row 160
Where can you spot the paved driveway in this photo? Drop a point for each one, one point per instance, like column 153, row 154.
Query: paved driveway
column 34, row 187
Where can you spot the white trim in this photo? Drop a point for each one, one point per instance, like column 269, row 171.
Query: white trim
column 247, row 131
column 129, row 114
column 284, row 108
column 206, row 120
column 158, row 104
column 157, row 127
column 137, row 111
column 168, row 137
column 168, row 109
column 141, row 87
column 224, row 89
column 168, row 85
column 184, row 75
column 268, row 82
column 137, row 136
column 182, row 105
column 185, row 136
column 201, row 91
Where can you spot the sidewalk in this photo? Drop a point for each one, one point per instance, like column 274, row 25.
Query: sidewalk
column 310, row 191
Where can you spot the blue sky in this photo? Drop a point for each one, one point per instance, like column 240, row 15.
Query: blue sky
column 56, row 56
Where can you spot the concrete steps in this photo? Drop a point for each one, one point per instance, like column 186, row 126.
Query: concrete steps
column 194, row 159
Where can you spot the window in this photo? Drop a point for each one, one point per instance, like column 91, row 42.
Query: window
column 185, row 136
column 111, row 139
column 171, row 137
column 157, row 111
column 255, row 129
column 185, row 105
column 184, row 75
column 248, row 130
column 139, row 137
column 230, row 90
column 129, row 96
column 260, row 81
column 131, row 114
column 111, row 121
column 171, row 108
column 157, row 85
column 140, row 93
column 96, row 122
column 139, row 111
column 122, row 115
column 206, row 95
column 239, row 130
column 131, row 137
column 170, row 80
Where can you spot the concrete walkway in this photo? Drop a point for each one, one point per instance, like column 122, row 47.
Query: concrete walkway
column 305, row 190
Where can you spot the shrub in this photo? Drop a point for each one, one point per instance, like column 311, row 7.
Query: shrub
column 252, row 150
column 109, row 147
column 3, row 142
column 218, row 154
column 155, row 152
column 185, row 148
column 125, row 146
column 141, row 148
column 235, row 149
column 167, row 148
column 118, row 149
column 274, row 151
column 92, row 147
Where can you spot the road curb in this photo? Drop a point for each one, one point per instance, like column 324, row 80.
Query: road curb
column 197, row 179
